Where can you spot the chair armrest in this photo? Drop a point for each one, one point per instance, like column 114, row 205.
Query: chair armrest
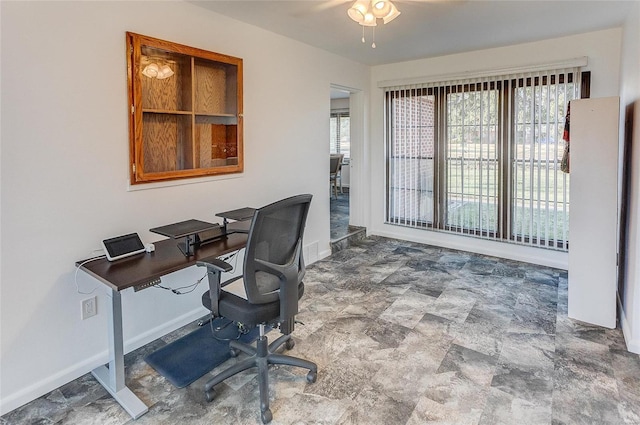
column 215, row 268
column 215, row 264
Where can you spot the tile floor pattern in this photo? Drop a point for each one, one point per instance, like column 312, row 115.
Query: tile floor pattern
column 403, row 334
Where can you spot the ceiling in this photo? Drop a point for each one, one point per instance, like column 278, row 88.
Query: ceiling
column 425, row 28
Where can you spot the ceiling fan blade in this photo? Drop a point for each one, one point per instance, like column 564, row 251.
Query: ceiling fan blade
column 324, row 5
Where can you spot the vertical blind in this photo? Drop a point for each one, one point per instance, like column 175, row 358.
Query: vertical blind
column 339, row 133
column 481, row 156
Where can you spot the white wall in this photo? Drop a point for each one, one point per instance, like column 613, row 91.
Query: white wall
column 340, row 104
column 603, row 50
column 630, row 95
column 64, row 169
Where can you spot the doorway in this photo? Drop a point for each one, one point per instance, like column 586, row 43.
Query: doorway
column 347, row 213
column 340, row 146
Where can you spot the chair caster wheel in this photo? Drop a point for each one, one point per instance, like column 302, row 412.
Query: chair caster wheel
column 290, row 344
column 234, row 352
column 266, row 416
column 312, row 376
column 210, row 395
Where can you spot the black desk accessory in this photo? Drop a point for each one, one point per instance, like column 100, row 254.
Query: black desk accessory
column 194, row 232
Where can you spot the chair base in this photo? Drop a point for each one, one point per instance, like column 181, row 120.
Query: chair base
column 262, row 355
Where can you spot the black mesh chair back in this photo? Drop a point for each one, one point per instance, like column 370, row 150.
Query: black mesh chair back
column 275, row 238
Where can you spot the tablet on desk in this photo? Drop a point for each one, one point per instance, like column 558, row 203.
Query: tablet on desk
column 122, row 246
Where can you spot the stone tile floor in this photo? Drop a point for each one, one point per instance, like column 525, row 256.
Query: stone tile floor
column 402, row 333
column 339, row 215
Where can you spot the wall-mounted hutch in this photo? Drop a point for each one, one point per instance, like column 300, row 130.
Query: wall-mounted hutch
column 185, row 107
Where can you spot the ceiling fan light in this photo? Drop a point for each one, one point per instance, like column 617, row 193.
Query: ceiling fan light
column 381, row 8
column 369, row 20
column 358, row 11
column 393, row 14
column 367, row 13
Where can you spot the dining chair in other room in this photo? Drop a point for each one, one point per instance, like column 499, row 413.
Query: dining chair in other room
column 335, row 169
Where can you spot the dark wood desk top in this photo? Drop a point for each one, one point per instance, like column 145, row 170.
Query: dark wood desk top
column 167, row 258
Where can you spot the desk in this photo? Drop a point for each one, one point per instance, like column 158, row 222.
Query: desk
column 138, row 271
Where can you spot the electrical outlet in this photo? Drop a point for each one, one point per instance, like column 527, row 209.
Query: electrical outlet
column 89, row 308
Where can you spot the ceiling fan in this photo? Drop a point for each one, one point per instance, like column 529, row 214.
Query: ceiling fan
column 367, row 13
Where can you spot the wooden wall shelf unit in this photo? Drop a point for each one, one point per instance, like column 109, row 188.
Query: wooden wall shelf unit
column 185, row 111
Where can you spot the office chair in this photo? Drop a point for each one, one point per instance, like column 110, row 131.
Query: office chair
column 335, row 170
column 266, row 294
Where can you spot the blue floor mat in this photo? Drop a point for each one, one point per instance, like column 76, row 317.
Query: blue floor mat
column 185, row 360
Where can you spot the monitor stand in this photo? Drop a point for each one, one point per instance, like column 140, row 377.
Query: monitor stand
column 189, row 230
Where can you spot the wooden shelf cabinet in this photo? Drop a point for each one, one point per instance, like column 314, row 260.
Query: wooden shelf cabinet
column 185, row 111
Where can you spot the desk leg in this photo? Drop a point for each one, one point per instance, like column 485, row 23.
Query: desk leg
column 112, row 377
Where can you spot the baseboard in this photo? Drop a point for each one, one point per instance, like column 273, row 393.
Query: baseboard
column 50, row 383
column 160, row 331
column 310, row 252
column 508, row 251
column 324, row 254
column 633, row 345
column 32, row 392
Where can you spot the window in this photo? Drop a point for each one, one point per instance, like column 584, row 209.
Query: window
column 482, row 157
column 339, row 133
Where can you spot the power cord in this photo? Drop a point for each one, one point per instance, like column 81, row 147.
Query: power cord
column 75, row 277
column 193, row 286
column 178, row 291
